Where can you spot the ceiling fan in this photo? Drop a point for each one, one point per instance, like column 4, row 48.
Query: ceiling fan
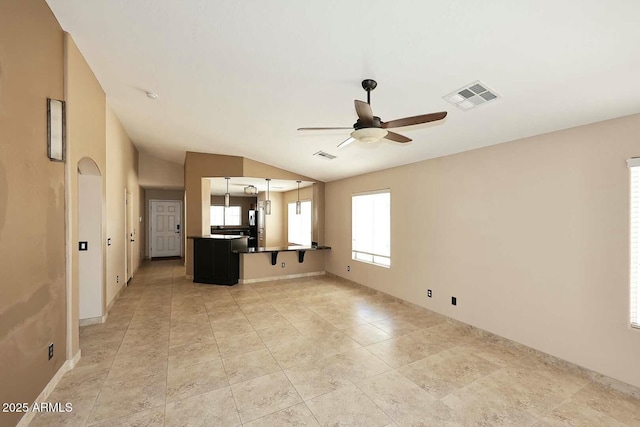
column 370, row 128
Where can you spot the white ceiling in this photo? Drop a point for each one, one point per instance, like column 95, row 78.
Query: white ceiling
column 239, row 77
column 237, row 184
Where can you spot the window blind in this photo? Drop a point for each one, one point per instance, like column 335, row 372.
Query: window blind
column 634, row 166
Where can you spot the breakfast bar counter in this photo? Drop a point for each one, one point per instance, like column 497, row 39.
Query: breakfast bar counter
column 301, row 250
column 281, row 262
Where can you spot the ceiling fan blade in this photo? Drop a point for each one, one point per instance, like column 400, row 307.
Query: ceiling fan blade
column 350, row 128
column 364, row 112
column 415, row 120
column 397, row 137
column 346, row 142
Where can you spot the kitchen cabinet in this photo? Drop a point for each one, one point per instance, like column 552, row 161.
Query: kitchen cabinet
column 215, row 261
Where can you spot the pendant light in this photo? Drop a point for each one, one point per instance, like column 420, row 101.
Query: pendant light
column 298, row 204
column 267, row 203
column 227, row 196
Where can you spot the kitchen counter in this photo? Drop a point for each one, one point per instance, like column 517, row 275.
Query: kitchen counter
column 218, row 236
column 242, row 230
column 274, row 250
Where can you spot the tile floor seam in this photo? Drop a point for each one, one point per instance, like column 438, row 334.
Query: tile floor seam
column 378, row 406
column 268, row 415
column 271, row 354
column 166, row 385
column 311, row 412
column 95, row 401
column 550, row 410
column 235, row 400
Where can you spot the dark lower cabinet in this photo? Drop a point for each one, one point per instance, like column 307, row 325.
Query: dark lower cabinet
column 214, row 261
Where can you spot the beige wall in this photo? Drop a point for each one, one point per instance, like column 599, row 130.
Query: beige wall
column 531, row 236
column 32, row 231
column 158, row 173
column 318, row 207
column 256, row 169
column 275, row 233
column 121, row 176
column 152, row 194
column 86, row 136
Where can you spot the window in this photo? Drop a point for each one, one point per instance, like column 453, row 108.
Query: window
column 371, row 228
column 300, row 225
column 634, row 165
column 226, row 216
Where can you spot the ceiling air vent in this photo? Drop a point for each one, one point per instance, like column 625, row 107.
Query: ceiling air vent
column 325, row 155
column 471, row 95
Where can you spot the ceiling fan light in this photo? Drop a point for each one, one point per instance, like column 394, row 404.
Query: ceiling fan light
column 251, row 190
column 298, row 204
column 369, row 134
column 267, row 203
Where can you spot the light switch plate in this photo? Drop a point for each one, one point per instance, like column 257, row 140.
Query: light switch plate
column 83, row 246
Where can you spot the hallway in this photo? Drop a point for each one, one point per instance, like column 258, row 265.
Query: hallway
column 309, row 351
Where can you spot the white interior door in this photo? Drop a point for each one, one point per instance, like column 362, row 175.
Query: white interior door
column 166, row 228
column 129, row 235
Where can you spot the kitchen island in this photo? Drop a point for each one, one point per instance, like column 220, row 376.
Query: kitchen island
column 216, row 259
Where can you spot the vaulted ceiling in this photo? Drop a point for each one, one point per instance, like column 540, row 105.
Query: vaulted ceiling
column 239, row 77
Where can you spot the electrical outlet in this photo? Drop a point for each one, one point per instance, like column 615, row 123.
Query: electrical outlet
column 283, row 265
column 50, row 351
column 117, row 279
column 429, row 294
column 454, row 301
column 348, row 268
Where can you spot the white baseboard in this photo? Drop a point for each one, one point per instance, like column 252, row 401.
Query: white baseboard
column 91, row 321
column 48, row 389
column 114, row 299
column 288, row 276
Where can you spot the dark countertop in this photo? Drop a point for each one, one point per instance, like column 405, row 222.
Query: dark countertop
column 281, row 249
column 219, row 236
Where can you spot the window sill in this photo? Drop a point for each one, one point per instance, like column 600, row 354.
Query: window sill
column 371, row 263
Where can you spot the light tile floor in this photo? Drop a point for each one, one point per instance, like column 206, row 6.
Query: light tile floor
column 314, row 351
